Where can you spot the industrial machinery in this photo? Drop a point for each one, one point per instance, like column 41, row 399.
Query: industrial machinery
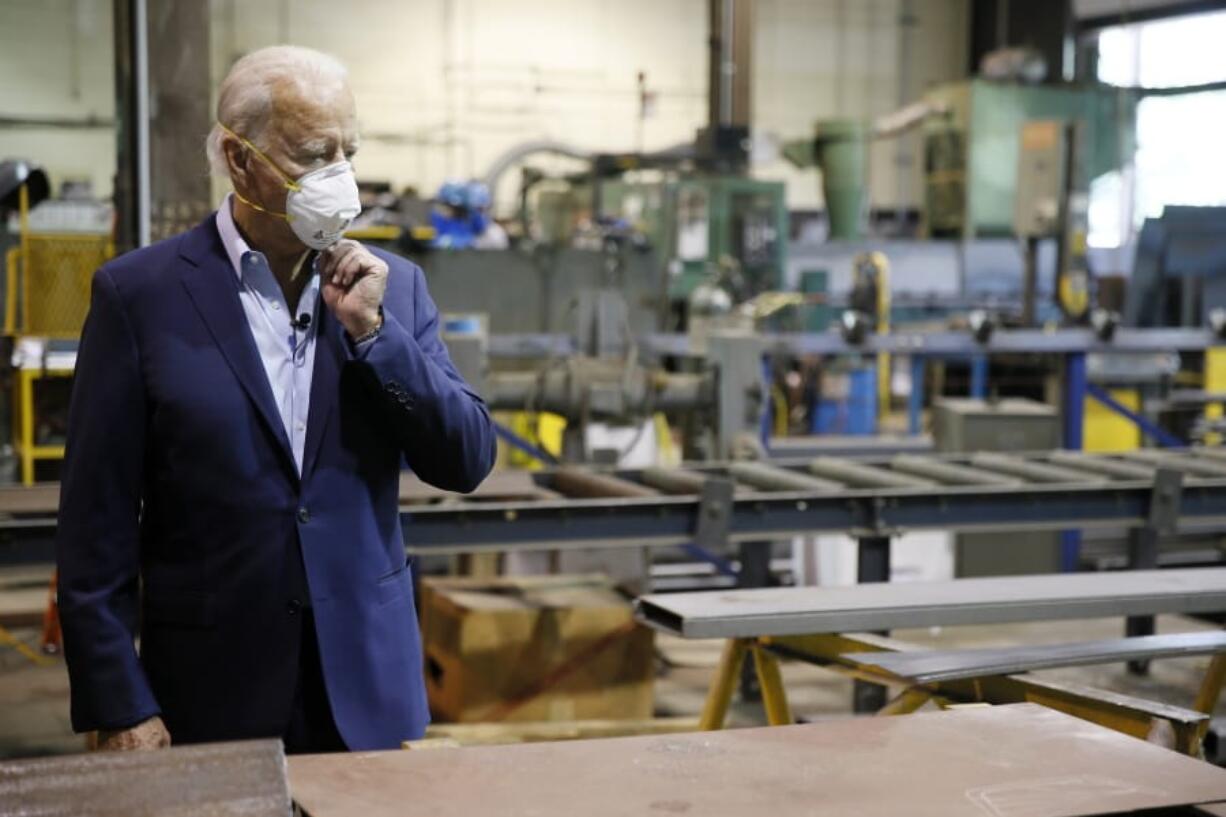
column 697, row 220
column 1180, row 271
column 971, row 152
column 1052, row 203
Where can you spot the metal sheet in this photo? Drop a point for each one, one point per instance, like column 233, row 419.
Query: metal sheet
column 924, row 667
column 1009, row 761
column 245, row 779
column 811, row 610
column 864, row 476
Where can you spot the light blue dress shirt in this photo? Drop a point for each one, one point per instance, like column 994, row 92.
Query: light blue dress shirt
column 287, row 351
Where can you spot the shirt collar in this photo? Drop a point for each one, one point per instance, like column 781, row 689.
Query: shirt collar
column 236, row 246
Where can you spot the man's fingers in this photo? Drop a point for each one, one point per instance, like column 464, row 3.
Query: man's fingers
column 351, row 266
column 335, row 259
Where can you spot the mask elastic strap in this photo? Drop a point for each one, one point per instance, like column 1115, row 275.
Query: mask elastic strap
column 289, row 183
column 262, row 209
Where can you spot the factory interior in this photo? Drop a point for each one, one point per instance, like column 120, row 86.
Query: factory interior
column 856, row 370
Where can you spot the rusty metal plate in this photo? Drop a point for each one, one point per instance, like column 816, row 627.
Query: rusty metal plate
column 243, row 779
column 1009, row 761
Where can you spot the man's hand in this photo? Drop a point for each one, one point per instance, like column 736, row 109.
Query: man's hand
column 150, row 734
column 353, row 280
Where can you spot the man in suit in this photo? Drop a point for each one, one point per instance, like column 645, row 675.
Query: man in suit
column 245, row 396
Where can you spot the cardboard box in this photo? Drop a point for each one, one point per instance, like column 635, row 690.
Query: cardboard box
column 534, row 648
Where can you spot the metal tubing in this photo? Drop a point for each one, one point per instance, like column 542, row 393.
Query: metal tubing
column 1032, row 471
column 1211, row 687
column 1204, row 468
column 719, row 694
column 1148, row 427
column 949, row 473
column 906, row 702
column 864, row 476
column 773, row 478
column 979, row 377
column 1107, row 466
column 915, row 400
column 566, row 390
column 873, row 565
column 774, row 696
column 578, row 483
column 1142, row 555
column 144, row 186
column 673, row 480
column 520, row 444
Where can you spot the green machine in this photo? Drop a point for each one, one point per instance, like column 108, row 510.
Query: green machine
column 701, row 224
column 971, row 152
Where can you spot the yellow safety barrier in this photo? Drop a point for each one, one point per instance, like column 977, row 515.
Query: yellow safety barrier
column 47, row 289
column 48, row 283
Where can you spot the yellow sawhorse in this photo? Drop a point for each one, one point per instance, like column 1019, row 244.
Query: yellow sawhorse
column 1123, row 713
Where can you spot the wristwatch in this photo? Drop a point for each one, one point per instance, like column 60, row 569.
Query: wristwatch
column 373, row 333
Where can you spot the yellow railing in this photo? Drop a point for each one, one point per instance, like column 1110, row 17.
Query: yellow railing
column 47, row 287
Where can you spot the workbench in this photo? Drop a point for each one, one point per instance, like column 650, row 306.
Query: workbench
column 1011, row 761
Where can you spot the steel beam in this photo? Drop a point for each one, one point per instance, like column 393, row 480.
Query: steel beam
column 1123, row 713
column 927, row 666
column 809, row 610
column 963, row 344
column 670, row 520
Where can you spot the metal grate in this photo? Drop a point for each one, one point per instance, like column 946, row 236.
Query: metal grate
column 48, row 295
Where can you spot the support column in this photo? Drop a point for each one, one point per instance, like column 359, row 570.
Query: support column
column 755, row 558
column 1075, row 382
column 915, row 400
column 1143, row 545
column 873, row 566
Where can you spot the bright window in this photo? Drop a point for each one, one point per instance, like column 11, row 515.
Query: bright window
column 1179, row 157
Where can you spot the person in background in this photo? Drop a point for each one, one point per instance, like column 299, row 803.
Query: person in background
column 461, row 218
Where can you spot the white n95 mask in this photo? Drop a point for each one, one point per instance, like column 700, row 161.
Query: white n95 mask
column 321, row 204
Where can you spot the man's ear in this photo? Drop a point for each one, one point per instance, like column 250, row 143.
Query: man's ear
column 238, row 160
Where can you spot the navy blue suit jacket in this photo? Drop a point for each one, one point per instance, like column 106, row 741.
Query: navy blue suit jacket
column 182, row 514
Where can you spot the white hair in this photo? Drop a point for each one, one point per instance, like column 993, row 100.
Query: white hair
column 244, row 103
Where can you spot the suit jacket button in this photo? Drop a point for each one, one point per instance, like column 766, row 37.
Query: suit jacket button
column 304, row 515
column 293, row 606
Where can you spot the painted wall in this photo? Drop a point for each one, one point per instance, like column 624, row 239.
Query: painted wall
column 56, row 62
column 445, row 86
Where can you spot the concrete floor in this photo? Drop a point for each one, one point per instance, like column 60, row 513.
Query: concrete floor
column 34, row 699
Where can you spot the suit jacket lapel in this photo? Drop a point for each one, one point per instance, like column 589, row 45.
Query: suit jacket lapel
column 331, row 352
column 213, row 287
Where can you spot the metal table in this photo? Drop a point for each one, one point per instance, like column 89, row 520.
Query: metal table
column 1012, row 760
